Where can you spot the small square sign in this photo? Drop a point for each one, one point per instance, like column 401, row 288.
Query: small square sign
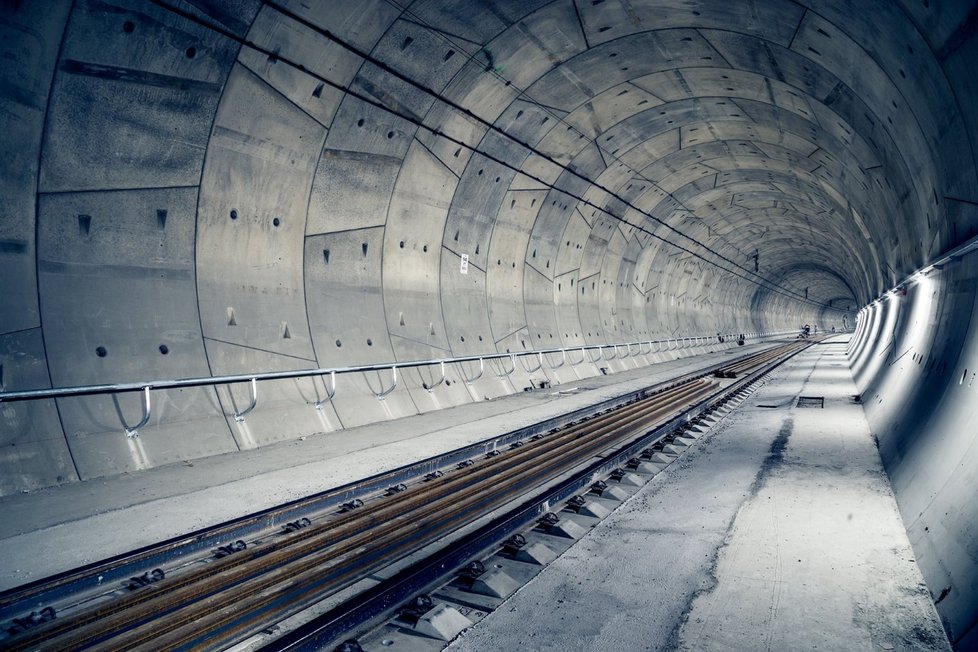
column 464, row 266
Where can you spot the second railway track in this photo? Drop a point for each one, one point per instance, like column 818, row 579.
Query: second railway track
column 217, row 602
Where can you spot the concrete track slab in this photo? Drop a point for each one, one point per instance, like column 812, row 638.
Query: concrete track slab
column 778, row 530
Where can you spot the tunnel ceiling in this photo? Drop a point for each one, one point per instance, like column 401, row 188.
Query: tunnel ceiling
column 290, row 184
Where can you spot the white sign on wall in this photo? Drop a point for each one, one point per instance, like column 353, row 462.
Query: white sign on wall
column 464, row 266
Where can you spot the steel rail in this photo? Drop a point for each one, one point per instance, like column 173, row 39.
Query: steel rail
column 306, row 547
column 461, row 508
column 325, row 630
column 91, row 576
column 236, row 569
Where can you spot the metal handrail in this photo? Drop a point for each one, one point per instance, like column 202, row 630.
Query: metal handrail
column 252, row 379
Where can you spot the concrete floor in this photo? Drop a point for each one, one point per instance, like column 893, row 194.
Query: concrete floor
column 59, row 528
column 778, row 531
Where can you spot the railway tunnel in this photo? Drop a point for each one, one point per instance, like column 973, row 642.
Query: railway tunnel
column 450, row 207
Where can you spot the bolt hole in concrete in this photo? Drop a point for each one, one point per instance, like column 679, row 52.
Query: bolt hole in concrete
column 101, row 352
column 164, row 349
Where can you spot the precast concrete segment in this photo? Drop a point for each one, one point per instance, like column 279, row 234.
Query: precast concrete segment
column 644, row 577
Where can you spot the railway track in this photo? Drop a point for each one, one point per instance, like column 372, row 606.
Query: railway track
column 210, row 602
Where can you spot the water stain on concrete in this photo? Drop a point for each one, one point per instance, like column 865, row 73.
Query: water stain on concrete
column 774, row 459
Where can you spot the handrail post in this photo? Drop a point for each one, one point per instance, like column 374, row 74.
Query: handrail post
column 330, row 392
column 512, row 359
column 393, row 386
column 539, row 364
column 563, row 360
column 583, row 358
column 239, row 416
column 147, row 410
column 440, row 380
column 482, row 369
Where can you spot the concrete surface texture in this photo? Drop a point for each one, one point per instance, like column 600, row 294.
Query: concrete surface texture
column 777, row 531
column 202, row 188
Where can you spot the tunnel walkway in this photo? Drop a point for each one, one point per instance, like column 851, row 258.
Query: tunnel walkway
column 777, row 531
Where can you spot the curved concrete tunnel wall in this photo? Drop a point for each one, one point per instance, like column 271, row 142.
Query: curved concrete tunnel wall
column 177, row 204
column 915, row 359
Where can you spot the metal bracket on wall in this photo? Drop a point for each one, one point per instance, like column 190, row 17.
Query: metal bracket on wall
column 330, row 391
column 239, row 416
column 482, row 370
column 563, row 360
column 133, row 431
column 440, row 380
column 390, row 389
column 505, row 373
column 583, row 358
column 539, row 364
